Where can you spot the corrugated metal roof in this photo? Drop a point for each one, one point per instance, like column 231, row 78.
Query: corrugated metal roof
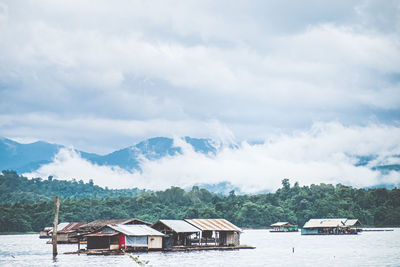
column 320, row 223
column 279, row 224
column 135, row 230
column 352, row 222
column 213, row 225
column 70, row 227
column 180, row 226
column 61, row 226
column 100, row 223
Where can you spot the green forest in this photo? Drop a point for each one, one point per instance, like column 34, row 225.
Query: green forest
column 27, row 205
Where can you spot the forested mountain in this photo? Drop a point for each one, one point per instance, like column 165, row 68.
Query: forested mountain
column 297, row 204
column 29, row 157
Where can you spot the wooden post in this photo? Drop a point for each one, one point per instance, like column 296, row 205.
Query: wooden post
column 200, row 237
column 54, row 239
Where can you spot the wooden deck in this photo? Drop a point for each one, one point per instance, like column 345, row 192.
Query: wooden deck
column 174, row 249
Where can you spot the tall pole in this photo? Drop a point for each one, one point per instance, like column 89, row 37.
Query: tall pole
column 57, row 207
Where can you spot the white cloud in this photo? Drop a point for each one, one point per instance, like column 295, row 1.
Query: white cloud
column 100, row 76
column 68, row 165
column 323, row 154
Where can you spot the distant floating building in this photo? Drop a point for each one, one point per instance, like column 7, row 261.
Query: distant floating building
column 284, row 227
column 46, row 232
column 331, row 226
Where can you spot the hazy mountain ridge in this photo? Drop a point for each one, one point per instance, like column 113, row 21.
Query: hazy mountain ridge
column 25, row 158
column 29, row 157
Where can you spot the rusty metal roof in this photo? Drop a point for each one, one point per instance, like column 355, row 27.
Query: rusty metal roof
column 97, row 224
column 213, row 225
column 70, row 227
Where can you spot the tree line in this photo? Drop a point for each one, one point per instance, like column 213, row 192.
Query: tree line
column 15, row 188
column 293, row 203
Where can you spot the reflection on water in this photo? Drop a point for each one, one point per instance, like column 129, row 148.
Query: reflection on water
column 273, row 249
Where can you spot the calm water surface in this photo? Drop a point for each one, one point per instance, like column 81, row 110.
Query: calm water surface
column 273, row 249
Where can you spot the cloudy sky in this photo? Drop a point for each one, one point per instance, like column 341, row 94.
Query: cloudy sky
column 102, row 75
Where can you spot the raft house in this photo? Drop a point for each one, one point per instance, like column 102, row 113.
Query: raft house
column 125, row 236
column 218, row 232
column 177, row 232
column 67, row 232
column 165, row 235
column 46, row 232
column 340, row 226
column 284, row 227
column 96, row 225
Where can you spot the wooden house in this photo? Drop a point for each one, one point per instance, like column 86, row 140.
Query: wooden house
column 177, row 232
column 46, row 232
column 283, row 227
column 353, row 224
column 330, row 226
column 129, row 237
column 218, row 232
column 67, row 232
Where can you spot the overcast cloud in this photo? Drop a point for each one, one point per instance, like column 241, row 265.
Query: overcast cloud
column 101, row 75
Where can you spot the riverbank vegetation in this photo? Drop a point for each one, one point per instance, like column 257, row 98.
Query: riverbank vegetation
column 28, row 206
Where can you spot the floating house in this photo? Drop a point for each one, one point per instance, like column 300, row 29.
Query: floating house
column 67, row 232
column 218, row 232
column 331, row 226
column 46, row 232
column 129, row 237
column 284, row 227
column 353, row 224
column 177, row 232
column 98, row 224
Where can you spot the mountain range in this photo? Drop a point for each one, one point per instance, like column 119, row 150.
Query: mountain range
column 25, row 158
column 29, row 157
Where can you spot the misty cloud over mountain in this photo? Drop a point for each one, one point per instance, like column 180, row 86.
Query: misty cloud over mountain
column 328, row 153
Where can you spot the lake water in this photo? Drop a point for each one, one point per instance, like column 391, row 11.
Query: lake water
column 272, row 249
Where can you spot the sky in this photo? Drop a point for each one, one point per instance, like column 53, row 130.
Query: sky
column 103, row 75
